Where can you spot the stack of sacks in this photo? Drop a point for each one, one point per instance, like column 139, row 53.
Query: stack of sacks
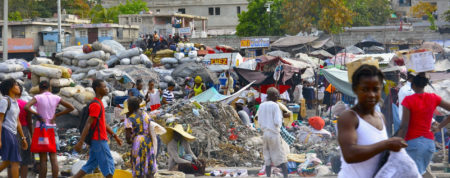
column 57, row 76
column 186, row 52
column 13, row 68
column 132, row 56
column 160, row 55
column 82, row 63
column 79, row 97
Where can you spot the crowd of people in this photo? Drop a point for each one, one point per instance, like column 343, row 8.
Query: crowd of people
column 361, row 130
column 157, row 42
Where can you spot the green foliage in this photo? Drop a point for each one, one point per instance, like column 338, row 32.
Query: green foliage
column 132, row 7
column 98, row 14
column 369, row 12
column 447, row 15
column 432, row 22
column 256, row 21
column 14, row 16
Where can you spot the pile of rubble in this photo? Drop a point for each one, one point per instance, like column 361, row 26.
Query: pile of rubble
column 221, row 137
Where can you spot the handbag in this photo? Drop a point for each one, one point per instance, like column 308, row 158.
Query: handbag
column 43, row 140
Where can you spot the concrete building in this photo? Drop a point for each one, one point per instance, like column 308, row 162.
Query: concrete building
column 222, row 15
column 28, row 37
column 402, row 7
column 166, row 25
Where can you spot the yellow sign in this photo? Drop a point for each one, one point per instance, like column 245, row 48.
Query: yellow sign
column 245, row 43
column 221, row 61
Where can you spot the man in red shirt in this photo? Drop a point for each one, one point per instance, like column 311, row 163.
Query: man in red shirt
column 99, row 153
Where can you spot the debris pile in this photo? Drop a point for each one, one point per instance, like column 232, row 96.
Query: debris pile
column 221, row 137
column 12, row 68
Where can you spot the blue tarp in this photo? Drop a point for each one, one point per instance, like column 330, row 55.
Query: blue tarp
column 210, row 95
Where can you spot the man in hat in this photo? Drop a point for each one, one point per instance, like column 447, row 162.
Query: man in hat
column 270, row 120
column 181, row 157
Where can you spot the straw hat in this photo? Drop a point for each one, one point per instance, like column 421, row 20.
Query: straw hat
column 125, row 107
column 168, row 136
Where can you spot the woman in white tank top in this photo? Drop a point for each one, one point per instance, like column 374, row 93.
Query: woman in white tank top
column 361, row 131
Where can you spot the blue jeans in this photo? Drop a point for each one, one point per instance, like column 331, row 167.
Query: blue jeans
column 421, row 151
column 100, row 156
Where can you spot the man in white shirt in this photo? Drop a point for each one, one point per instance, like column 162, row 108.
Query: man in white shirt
column 270, row 120
column 404, row 91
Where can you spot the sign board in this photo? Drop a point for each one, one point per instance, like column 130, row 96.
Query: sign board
column 100, row 25
column 185, row 31
column 222, row 61
column 420, row 62
column 20, row 45
column 255, row 43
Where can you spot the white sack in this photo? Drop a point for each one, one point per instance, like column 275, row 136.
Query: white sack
column 136, row 60
column 125, row 61
column 169, row 60
column 46, row 71
column 63, row 82
column 8, row 68
column 96, row 54
column 129, row 53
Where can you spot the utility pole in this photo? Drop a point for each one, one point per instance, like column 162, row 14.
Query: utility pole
column 5, row 30
column 267, row 5
column 60, row 37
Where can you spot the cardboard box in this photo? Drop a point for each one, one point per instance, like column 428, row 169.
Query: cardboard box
column 351, row 67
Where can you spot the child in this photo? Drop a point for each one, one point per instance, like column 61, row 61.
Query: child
column 9, row 127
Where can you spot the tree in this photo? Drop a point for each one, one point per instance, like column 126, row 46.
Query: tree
column 132, row 7
column 327, row 15
column 15, row 16
column 369, row 12
column 447, row 15
column 106, row 16
column 422, row 9
column 81, row 8
column 258, row 22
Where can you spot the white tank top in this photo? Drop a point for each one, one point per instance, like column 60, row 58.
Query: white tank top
column 367, row 135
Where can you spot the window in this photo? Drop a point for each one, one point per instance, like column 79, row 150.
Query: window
column 103, row 33
column 158, row 10
column 211, row 11
column 238, row 8
column 182, row 10
column 404, row 2
column 217, row 10
column 120, row 33
column 139, row 20
column 83, row 34
column 18, row 32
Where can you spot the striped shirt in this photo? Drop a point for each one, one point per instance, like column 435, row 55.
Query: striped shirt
column 168, row 95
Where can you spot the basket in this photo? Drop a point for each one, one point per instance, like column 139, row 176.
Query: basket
column 119, row 173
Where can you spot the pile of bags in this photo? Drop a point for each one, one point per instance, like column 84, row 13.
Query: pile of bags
column 165, row 53
column 57, row 76
column 79, row 97
column 133, row 56
column 186, row 53
column 13, row 68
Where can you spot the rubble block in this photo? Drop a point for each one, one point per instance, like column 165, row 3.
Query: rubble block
column 213, row 125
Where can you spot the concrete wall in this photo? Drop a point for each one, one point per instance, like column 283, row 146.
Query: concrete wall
column 343, row 39
column 233, row 41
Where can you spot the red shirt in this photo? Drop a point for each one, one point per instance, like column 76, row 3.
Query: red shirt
column 94, row 111
column 421, row 107
column 23, row 114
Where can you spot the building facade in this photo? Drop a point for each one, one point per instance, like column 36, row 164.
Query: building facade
column 168, row 24
column 402, row 7
column 222, row 15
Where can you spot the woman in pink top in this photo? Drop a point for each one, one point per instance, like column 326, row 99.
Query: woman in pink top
column 46, row 104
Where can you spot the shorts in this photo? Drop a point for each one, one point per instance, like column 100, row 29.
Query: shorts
column 421, row 151
column 26, row 155
column 10, row 150
column 100, row 156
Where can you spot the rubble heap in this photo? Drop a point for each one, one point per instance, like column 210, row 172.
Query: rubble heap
column 216, row 126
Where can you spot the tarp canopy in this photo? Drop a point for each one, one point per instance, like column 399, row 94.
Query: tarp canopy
column 211, row 95
column 339, row 79
column 368, row 42
column 322, row 54
column 293, row 41
column 264, row 80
